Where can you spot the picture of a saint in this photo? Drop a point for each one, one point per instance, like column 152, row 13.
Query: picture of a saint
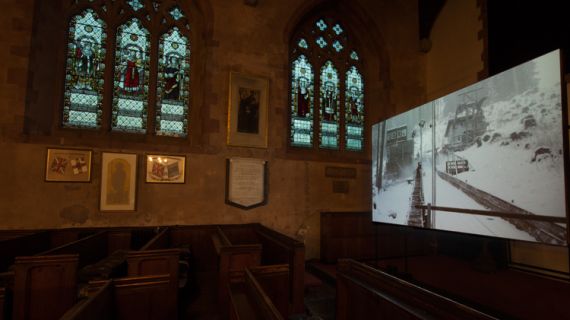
column 329, row 105
column 130, row 76
column 118, row 182
column 302, row 99
column 84, row 64
column 248, row 111
column 172, row 79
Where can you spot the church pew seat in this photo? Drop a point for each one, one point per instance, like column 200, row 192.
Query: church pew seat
column 363, row 290
column 248, row 300
column 44, row 287
column 2, row 300
column 232, row 258
column 125, row 298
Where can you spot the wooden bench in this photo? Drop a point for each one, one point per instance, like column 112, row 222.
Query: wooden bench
column 231, row 258
column 249, row 301
column 48, row 280
column 363, row 291
column 127, row 298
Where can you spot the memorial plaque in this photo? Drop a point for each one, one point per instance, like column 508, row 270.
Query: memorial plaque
column 246, row 182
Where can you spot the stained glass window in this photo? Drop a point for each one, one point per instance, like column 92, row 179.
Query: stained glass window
column 329, row 95
column 354, row 110
column 338, row 98
column 176, row 13
column 130, row 96
column 135, row 4
column 85, row 68
column 172, row 89
column 302, row 89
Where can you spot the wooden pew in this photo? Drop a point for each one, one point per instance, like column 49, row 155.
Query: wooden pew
column 53, row 274
column 232, row 257
column 248, row 300
column 363, row 291
column 279, row 249
column 126, row 298
column 2, row 299
column 158, row 258
column 22, row 246
column 44, row 286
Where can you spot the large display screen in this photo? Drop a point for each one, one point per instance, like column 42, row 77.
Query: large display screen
column 489, row 158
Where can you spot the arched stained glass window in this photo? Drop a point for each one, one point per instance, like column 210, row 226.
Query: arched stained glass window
column 172, row 88
column 302, row 99
column 329, row 95
column 85, row 68
column 130, row 98
column 323, row 43
column 354, row 109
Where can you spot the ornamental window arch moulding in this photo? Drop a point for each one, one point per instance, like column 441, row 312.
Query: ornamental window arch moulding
column 128, row 67
column 326, row 95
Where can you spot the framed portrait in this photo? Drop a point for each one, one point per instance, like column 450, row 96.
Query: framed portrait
column 68, row 165
column 118, row 181
column 165, row 169
column 248, row 111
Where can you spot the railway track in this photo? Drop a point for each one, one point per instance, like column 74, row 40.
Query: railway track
column 548, row 232
column 415, row 217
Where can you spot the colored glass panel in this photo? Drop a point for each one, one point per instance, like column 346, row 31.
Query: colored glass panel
column 302, row 89
column 354, row 55
column 83, row 97
column 329, row 98
column 173, row 85
column 337, row 29
column 303, row 44
column 321, row 42
column 337, row 46
column 130, row 96
column 354, row 110
column 321, row 24
column 135, row 4
column 176, row 13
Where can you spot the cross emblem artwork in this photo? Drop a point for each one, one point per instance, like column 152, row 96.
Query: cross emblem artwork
column 68, row 165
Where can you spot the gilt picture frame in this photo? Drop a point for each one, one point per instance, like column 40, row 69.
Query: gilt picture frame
column 68, row 165
column 167, row 169
column 248, row 111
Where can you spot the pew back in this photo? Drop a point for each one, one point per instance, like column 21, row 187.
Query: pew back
column 249, row 300
column 362, row 291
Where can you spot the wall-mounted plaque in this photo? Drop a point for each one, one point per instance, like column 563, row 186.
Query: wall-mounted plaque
column 246, row 182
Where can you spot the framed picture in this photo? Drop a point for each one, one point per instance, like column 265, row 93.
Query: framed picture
column 118, row 181
column 248, row 111
column 68, row 165
column 165, row 169
column 246, row 182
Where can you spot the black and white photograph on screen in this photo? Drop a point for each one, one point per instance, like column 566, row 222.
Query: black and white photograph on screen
column 495, row 146
column 499, row 148
column 402, row 146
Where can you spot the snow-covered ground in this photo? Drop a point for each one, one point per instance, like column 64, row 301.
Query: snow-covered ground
column 392, row 205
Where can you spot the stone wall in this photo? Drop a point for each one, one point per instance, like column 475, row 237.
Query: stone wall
column 236, row 37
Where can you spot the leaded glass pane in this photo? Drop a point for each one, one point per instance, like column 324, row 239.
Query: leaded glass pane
column 176, row 13
column 83, row 97
column 337, row 29
column 354, row 55
column 354, row 109
column 329, row 97
column 135, row 4
column 302, row 90
column 173, row 89
column 321, row 42
column 321, row 24
column 337, row 46
column 303, row 44
column 130, row 96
